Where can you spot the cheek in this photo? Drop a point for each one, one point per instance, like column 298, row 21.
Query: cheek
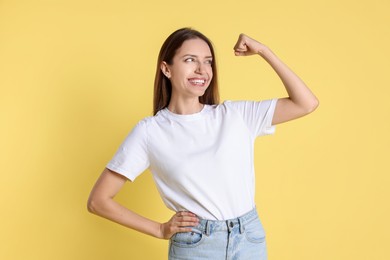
column 210, row 72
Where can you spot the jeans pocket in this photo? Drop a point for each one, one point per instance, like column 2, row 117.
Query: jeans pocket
column 187, row 239
column 254, row 231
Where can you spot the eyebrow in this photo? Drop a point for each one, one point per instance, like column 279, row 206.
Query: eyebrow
column 195, row 56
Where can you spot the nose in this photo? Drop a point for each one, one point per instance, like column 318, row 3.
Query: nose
column 200, row 68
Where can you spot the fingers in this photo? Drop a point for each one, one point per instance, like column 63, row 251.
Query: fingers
column 239, row 53
column 182, row 221
column 247, row 46
column 240, row 48
column 185, row 219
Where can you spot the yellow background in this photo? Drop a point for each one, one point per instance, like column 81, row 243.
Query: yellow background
column 75, row 77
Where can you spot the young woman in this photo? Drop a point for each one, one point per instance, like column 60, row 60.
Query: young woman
column 200, row 152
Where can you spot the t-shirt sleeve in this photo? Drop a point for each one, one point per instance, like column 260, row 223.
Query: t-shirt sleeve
column 257, row 115
column 131, row 159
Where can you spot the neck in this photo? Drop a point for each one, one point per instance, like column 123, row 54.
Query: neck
column 185, row 107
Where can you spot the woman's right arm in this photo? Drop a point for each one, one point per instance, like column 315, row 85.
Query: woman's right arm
column 101, row 202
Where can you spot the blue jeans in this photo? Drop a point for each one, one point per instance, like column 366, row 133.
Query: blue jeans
column 242, row 238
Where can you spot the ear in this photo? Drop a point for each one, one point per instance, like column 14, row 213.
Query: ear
column 165, row 69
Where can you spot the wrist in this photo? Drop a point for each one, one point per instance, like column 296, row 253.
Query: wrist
column 160, row 231
column 263, row 50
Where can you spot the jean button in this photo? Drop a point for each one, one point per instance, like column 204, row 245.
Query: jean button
column 231, row 224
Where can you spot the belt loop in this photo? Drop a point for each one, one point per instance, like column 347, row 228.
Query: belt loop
column 229, row 225
column 207, row 228
column 241, row 223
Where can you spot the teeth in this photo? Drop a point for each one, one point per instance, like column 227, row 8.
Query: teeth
column 198, row 81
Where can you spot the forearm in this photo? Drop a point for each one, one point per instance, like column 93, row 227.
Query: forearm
column 297, row 90
column 114, row 211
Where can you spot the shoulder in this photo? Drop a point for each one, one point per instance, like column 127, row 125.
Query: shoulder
column 141, row 127
column 151, row 122
column 234, row 104
column 240, row 104
column 225, row 106
column 251, row 108
column 146, row 120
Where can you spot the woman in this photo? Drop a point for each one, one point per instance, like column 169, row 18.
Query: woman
column 200, row 152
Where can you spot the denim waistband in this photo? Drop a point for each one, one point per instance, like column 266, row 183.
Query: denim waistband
column 209, row 226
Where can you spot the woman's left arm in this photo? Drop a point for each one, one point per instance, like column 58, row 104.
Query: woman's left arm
column 300, row 101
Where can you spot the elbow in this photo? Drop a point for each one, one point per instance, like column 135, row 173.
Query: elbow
column 313, row 105
column 92, row 205
column 98, row 205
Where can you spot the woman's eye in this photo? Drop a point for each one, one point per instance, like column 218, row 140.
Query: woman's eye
column 209, row 62
column 189, row 60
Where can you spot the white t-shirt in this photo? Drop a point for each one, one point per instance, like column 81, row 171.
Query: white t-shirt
column 201, row 162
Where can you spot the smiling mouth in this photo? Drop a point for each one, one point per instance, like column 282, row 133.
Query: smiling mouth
column 197, row 82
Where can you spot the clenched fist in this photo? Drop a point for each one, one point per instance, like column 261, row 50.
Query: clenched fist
column 246, row 46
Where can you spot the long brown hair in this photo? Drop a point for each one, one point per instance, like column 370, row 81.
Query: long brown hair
column 162, row 85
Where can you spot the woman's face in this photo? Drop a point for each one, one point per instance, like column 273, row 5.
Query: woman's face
column 191, row 70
